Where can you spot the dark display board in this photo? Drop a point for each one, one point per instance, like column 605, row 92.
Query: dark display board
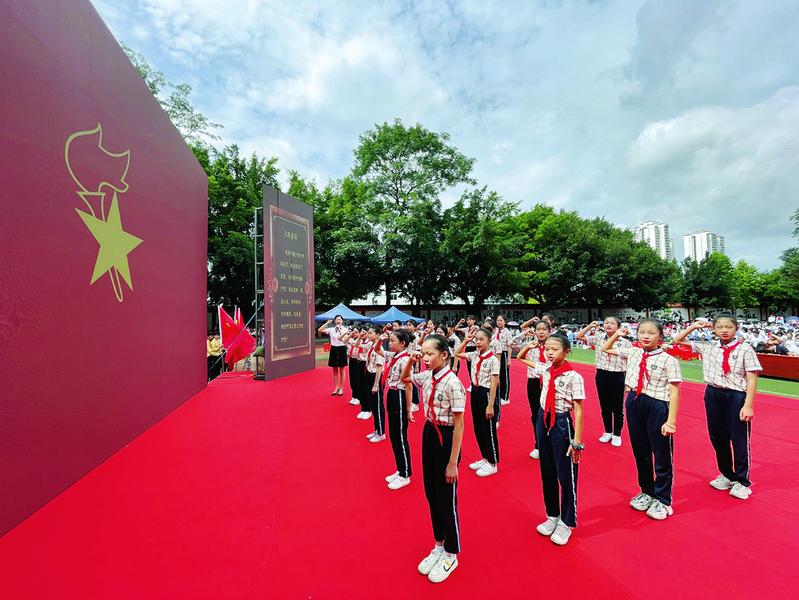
column 103, row 253
column 288, row 285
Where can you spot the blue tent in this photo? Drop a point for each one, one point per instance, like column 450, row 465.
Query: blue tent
column 394, row 314
column 346, row 313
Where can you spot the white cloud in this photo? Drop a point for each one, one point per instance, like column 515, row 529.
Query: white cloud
column 631, row 109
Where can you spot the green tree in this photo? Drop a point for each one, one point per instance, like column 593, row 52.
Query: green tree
column 708, row 282
column 483, row 248
column 174, row 99
column 746, row 285
column 346, row 248
column 402, row 166
column 235, row 189
column 589, row 262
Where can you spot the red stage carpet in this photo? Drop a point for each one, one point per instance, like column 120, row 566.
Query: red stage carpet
column 270, row 490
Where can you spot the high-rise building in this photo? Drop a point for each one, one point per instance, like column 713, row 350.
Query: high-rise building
column 656, row 235
column 698, row 246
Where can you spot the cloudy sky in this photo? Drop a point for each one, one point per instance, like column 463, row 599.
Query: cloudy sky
column 681, row 111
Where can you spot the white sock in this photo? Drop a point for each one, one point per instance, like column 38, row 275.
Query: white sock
column 438, row 548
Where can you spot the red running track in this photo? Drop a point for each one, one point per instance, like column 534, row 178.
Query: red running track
column 270, row 490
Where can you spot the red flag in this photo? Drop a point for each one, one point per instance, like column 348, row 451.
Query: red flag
column 228, row 328
column 236, row 339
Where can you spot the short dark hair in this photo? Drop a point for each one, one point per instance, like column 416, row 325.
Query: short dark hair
column 654, row 322
column 441, row 343
column 402, row 336
column 727, row 316
column 618, row 321
column 562, row 340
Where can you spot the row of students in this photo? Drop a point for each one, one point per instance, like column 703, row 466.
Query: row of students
column 652, row 380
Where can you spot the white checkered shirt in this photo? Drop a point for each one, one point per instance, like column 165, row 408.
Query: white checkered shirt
column 503, row 343
column 568, row 388
column 662, row 367
column 374, row 360
column 450, row 394
column 610, row 362
column 489, row 367
column 534, row 355
column 743, row 360
column 394, row 380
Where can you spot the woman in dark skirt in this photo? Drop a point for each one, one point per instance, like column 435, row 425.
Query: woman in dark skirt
column 338, row 352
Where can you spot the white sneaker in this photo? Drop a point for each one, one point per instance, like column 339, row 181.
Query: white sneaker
column 740, row 491
column 477, row 464
column 487, row 470
column 429, row 561
column 359, row 415
column 443, row 568
column 616, row 441
column 548, row 527
column 562, row 534
column 399, row 482
column 355, row 402
column 469, row 389
column 377, row 438
column 504, row 402
column 605, row 437
column 414, row 408
column 642, row 502
column 535, row 454
column 392, row 477
column 659, row 511
column 721, row 483
column 371, row 435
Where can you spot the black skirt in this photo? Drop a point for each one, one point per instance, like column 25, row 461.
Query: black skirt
column 338, row 356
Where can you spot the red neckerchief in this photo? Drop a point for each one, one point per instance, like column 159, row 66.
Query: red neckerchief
column 549, row 404
column 476, row 380
column 430, row 414
column 369, row 353
column 391, row 364
column 643, row 373
column 725, row 359
column 497, row 336
column 541, row 357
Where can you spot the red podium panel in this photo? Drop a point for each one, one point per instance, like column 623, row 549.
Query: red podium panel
column 288, row 285
column 102, row 258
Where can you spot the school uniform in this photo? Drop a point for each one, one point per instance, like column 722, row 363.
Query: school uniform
column 470, row 347
column 443, row 395
column 373, row 362
column 725, row 370
column 415, row 346
column 355, row 380
column 647, row 379
column 453, row 341
column 484, row 366
column 534, row 386
column 365, row 391
column 500, row 344
column 397, row 410
column 611, row 370
column 555, row 430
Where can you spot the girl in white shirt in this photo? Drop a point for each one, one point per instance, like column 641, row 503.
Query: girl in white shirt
column 338, row 352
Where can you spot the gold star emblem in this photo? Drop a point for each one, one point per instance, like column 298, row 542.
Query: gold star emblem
column 115, row 243
column 98, row 171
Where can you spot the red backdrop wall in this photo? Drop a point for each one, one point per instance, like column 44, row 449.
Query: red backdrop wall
column 82, row 373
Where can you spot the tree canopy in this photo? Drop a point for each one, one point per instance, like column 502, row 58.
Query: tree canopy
column 384, row 226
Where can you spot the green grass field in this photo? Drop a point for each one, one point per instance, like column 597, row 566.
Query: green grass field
column 692, row 371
